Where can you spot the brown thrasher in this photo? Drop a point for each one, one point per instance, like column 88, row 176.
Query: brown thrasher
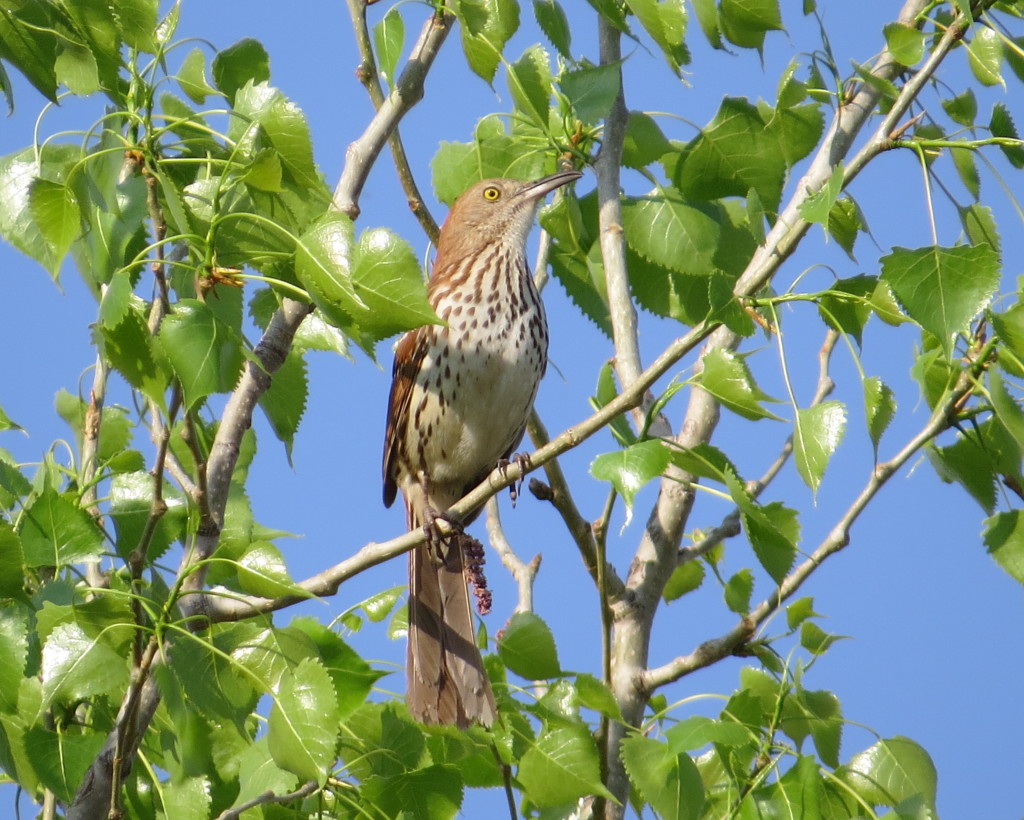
column 461, row 394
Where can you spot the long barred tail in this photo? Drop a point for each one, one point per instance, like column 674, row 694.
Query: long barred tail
column 446, row 678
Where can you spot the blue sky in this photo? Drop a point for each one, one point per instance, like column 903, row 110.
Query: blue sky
column 935, row 641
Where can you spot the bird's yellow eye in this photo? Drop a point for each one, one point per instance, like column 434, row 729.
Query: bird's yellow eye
column 492, row 194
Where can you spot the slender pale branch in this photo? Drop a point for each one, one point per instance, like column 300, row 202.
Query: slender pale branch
column 269, row 797
column 524, row 573
column 368, row 74
column 408, row 91
column 730, row 525
column 608, row 168
column 90, row 448
column 718, row 648
column 558, row 493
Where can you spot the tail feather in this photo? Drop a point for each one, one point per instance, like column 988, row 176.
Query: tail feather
column 446, row 678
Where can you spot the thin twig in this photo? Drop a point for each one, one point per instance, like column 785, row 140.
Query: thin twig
column 730, row 525
column 267, row 798
column 408, row 91
column 368, row 75
column 715, row 649
column 523, row 573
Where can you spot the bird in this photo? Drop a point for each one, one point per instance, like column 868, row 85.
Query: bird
column 461, row 394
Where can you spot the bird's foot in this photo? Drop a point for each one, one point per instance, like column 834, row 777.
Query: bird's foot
column 525, row 464
column 436, row 539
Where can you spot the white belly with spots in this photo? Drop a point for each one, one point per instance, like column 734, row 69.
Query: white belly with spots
column 478, row 384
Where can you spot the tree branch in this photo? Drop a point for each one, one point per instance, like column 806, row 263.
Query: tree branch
column 716, row 649
column 523, row 573
column 368, row 75
column 408, row 91
column 730, row 525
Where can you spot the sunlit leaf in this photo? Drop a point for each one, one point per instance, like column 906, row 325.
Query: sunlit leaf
column 303, row 724
column 527, row 647
column 943, row 289
column 818, row 430
column 667, row 780
column 560, row 767
column 891, row 771
column 631, row 468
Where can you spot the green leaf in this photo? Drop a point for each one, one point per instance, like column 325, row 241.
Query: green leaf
column 595, row 694
column 663, row 228
column 727, row 377
column 28, row 40
column 14, row 632
column 527, row 647
column 969, row 464
column 733, row 154
column 1004, row 538
column 323, row 263
column 846, row 306
column 738, row 590
column 131, row 504
column 258, row 774
column 491, row 153
column 262, row 571
column 891, row 771
column 631, row 468
column 980, row 225
column 773, row 529
column 667, row 780
column 560, row 767
column 56, row 532
column 815, row 639
column 745, row 22
column 352, row 676
column 685, row 578
column 76, row 68
column 819, row 205
column 282, row 124
column 187, row 798
column 388, row 41
column 423, row 794
column 21, row 210
column 665, row 22
column 137, row 21
column 985, row 55
column 244, row 62
column 966, row 169
column 303, row 724
column 388, row 285
column 943, row 289
column 486, row 27
column 963, row 108
column 529, row 81
column 553, row 22
column 61, row 759
column 204, row 352
column 192, row 77
column 591, row 90
column 75, row 666
column 135, row 355
column 818, row 430
column 1001, row 125
column 879, row 408
column 644, row 143
column 799, row 611
column 285, row 402
column 606, row 391
column 905, row 43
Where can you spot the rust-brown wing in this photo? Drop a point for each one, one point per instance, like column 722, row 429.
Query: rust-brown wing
column 409, row 355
